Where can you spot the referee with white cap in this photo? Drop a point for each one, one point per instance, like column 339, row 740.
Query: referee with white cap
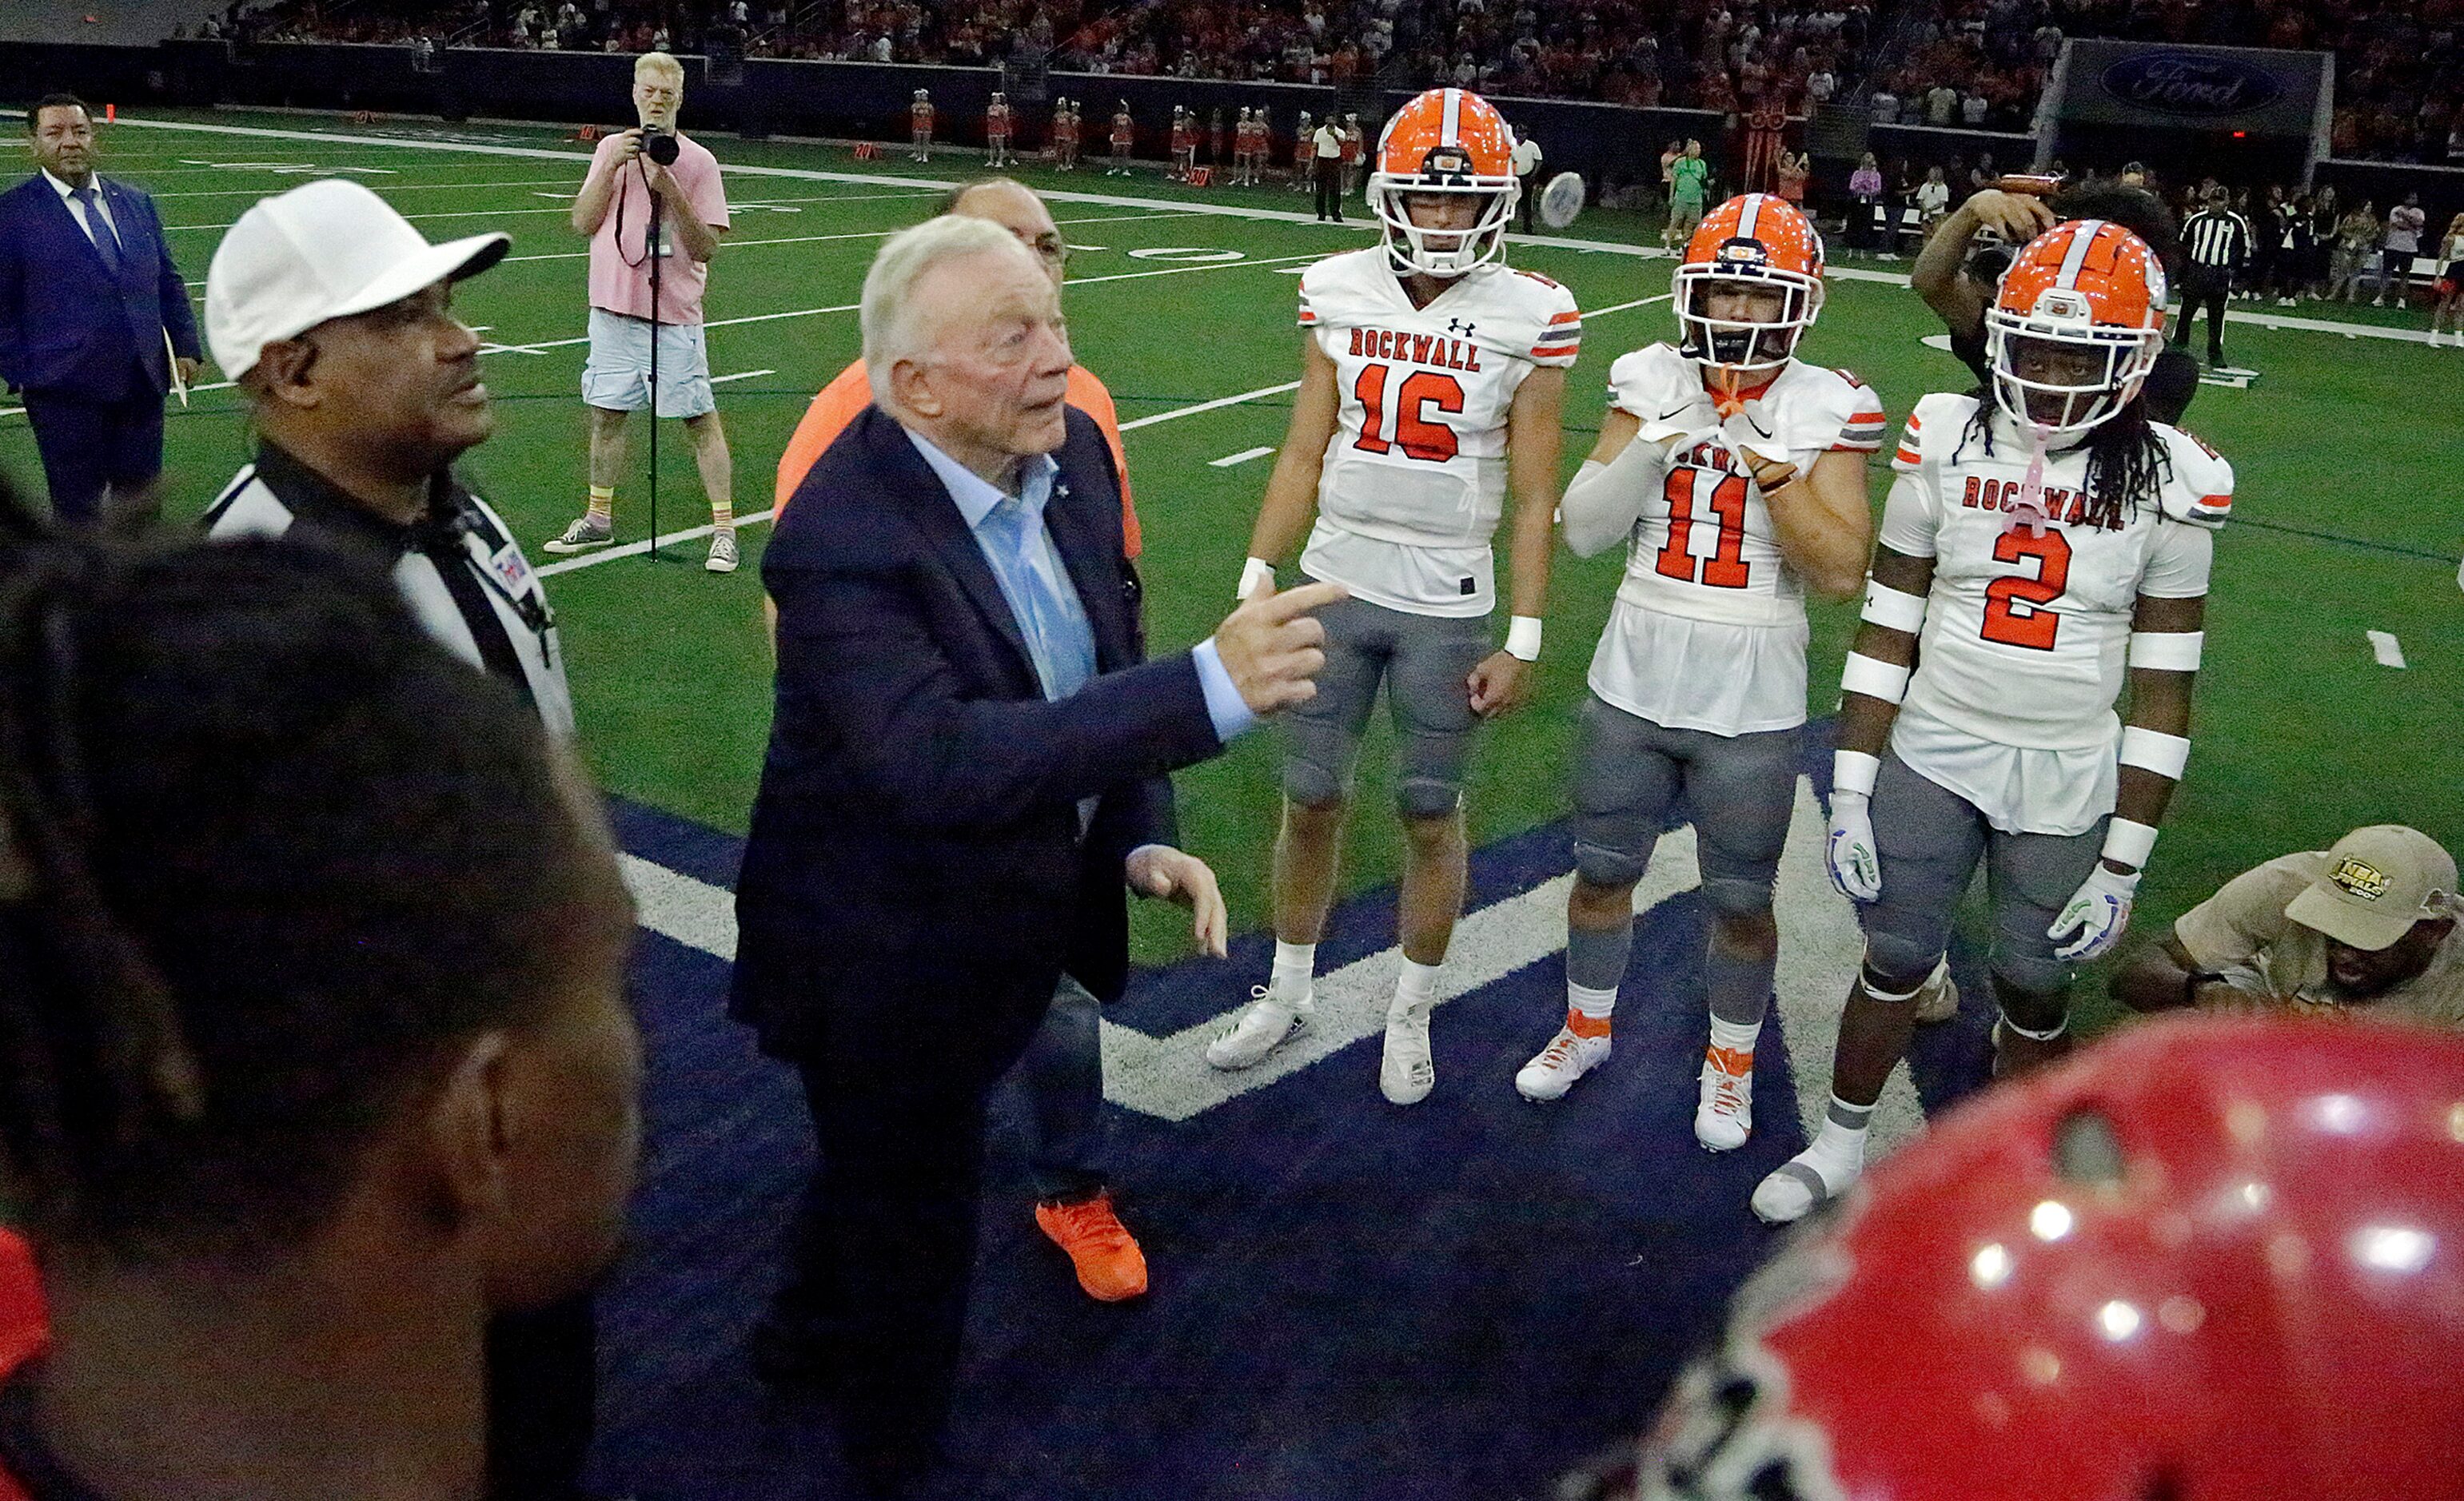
column 335, row 317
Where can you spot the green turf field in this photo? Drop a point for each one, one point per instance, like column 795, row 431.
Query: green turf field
column 2347, row 517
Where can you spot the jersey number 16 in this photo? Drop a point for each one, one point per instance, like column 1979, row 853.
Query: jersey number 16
column 1414, row 433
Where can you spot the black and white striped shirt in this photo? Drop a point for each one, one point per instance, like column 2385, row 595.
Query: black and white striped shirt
column 458, row 568
column 2218, row 239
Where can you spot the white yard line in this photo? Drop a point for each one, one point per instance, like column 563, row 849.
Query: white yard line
column 1229, row 460
column 740, row 375
column 566, row 565
column 2386, row 649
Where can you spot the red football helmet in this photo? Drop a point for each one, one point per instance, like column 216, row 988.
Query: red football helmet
column 1450, row 142
column 2085, row 300
column 1754, row 240
column 2213, row 1259
column 21, row 1304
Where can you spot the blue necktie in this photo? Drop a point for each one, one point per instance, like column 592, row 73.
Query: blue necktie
column 1062, row 645
column 105, row 238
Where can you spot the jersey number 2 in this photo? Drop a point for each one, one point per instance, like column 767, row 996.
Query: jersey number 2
column 1725, row 568
column 2028, row 624
column 1418, row 437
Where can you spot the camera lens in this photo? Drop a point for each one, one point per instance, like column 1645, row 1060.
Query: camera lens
column 660, row 147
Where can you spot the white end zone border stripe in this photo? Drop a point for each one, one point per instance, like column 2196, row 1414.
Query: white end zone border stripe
column 1168, row 1077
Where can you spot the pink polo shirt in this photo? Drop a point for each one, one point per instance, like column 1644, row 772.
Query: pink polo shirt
column 620, row 273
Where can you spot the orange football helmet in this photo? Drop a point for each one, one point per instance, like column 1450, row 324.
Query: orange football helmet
column 2077, row 327
column 1754, row 240
column 1446, row 142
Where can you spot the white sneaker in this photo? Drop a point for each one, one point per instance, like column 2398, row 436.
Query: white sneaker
column 1269, row 1022
column 1938, row 999
column 1405, row 1071
column 1804, row 1183
column 723, row 551
column 582, row 534
column 1567, row 1057
column 1724, row 1116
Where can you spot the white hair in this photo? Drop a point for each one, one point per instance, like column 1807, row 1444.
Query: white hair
column 895, row 327
column 659, row 62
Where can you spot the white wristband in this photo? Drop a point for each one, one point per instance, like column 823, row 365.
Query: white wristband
column 1894, row 609
column 1523, row 638
column 2154, row 751
column 2129, row 843
column 1255, row 572
column 2167, row 651
column 1853, row 774
column 1873, row 678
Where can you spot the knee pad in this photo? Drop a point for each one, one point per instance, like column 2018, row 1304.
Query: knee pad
column 2032, row 980
column 1601, row 866
column 1895, row 969
column 1426, row 797
column 2038, row 1004
column 1728, row 896
column 1310, row 784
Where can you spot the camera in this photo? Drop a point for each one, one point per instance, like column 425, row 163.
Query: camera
column 659, row 145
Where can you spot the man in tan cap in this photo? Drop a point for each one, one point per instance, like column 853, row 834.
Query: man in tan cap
column 2369, row 923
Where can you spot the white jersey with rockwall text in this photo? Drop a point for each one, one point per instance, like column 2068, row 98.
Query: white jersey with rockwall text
column 1412, row 485
column 1708, row 632
column 2028, row 627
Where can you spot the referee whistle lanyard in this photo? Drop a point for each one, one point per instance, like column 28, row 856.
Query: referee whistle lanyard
column 2029, row 509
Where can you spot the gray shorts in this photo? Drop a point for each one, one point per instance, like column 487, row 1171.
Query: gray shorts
column 1426, row 661
column 1929, row 840
column 617, row 374
column 1739, row 789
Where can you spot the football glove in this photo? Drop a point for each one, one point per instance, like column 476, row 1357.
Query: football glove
column 2097, row 912
column 1856, row 865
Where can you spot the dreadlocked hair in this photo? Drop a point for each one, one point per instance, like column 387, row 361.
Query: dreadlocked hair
column 2126, row 462
column 267, row 853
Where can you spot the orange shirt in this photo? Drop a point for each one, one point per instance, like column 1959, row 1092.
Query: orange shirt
column 840, row 400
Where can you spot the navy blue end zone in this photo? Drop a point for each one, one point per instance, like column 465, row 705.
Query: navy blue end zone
column 1349, row 1299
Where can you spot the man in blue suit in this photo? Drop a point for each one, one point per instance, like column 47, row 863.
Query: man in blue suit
column 87, row 294
column 967, row 764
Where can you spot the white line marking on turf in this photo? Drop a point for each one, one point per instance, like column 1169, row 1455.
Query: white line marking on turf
column 1820, row 948
column 672, row 904
column 1179, row 412
column 2385, row 648
column 740, row 375
column 635, row 550
column 815, row 239
column 1243, row 457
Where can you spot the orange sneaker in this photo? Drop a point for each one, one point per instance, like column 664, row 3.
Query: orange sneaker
column 1110, row 1265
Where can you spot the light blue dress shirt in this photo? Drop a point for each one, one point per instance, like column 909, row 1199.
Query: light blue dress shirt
column 1043, row 601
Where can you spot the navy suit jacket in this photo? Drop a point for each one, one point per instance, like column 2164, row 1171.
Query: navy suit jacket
column 67, row 325
column 915, row 852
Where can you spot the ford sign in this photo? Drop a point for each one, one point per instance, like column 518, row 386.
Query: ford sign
column 2195, row 85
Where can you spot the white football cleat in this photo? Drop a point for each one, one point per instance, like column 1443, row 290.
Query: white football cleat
column 1724, row 1115
column 1937, row 998
column 1405, row 1071
column 1804, row 1183
column 1567, row 1057
column 1269, row 1022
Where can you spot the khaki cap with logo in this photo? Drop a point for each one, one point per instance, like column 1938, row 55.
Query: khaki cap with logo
column 2378, row 883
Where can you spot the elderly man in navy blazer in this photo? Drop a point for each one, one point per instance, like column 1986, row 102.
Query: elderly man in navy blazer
column 967, row 765
column 88, row 294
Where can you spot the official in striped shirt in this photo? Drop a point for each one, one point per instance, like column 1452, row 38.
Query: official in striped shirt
column 335, row 318
column 2219, row 243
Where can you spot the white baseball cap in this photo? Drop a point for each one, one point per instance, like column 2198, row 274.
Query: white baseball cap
column 324, row 249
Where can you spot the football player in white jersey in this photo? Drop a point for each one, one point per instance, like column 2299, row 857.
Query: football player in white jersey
column 2036, row 548
column 1430, row 389
column 1738, row 472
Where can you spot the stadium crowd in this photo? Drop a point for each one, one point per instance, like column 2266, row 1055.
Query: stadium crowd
column 1982, row 63
column 1701, row 54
